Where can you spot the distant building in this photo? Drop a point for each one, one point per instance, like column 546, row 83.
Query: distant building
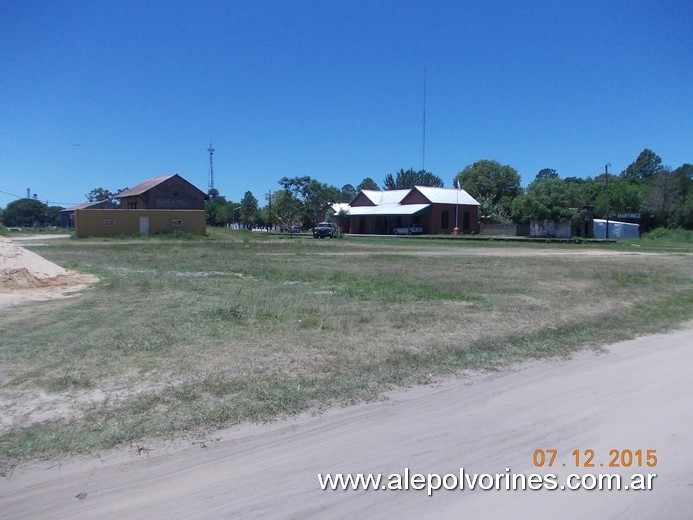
column 162, row 204
column 436, row 210
column 67, row 215
column 124, row 222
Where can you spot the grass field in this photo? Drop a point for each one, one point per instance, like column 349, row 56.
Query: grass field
column 183, row 336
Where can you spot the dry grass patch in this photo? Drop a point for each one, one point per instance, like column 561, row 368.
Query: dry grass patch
column 184, row 336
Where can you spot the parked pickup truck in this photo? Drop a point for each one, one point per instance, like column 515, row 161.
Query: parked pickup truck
column 409, row 229
column 324, row 229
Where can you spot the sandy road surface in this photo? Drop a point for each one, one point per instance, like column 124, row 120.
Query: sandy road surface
column 638, row 396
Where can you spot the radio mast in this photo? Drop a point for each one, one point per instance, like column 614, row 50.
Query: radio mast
column 211, row 166
column 423, row 159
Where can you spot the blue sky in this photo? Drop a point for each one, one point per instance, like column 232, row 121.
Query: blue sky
column 105, row 93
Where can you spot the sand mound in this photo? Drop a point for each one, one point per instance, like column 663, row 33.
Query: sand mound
column 26, row 276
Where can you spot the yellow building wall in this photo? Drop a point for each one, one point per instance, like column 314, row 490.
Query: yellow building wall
column 113, row 222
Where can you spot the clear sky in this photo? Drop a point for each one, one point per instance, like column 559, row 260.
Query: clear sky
column 108, row 93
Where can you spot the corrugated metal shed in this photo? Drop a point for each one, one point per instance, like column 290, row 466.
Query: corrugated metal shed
column 616, row 229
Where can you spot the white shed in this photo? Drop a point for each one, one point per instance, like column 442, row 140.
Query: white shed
column 616, row 229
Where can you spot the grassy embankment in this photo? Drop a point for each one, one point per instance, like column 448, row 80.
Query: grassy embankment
column 184, row 336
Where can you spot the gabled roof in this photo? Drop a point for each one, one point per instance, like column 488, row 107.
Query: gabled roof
column 143, row 186
column 340, row 206
column 447, row 196
column 391, row 202
column 387, row 209
column 385, row 197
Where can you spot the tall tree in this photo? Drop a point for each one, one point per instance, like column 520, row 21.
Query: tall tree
column 98, row 194
column 405, row 180
column 312, row 194
column 315, row 195
column 490, row 179
column 546, row 173
column 683, row 176
column 249, row 208
column 624, row 195
column 348, row 193
column 368, row 184
column 295, row 185
column 663, row 191
column 645, row 166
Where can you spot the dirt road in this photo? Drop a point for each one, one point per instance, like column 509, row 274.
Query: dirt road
column 638, row 396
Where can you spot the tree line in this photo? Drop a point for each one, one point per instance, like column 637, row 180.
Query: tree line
column 662, row 196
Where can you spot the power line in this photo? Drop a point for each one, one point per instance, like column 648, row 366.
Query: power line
column 47, row 201
column 11, row 194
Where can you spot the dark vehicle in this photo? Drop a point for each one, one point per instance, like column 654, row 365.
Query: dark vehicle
column 324, row 229
column 295, row 229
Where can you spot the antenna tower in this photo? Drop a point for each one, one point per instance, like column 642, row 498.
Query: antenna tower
column 211, row 166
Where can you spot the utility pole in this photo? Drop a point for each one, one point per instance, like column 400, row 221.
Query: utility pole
column 423, row 159
column 456, row 231
column 606, row 173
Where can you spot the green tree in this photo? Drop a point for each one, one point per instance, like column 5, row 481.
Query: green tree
column 368, row 184
column 549, row 199
column 661, row 195
column 312, row 194
column 490, row 179
column 218, row 210
column 489, row 209
column 546, row 173
column 295, row 185
column 316, row 195
column 287, row 209
column 249, row 210
column 53, row 215
column 26, row 213
column 405, row 180
column 684, row 178
column 348, row 193
column 624, row 195
column 682, row 213
column 645, row 166
column 98, row 194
